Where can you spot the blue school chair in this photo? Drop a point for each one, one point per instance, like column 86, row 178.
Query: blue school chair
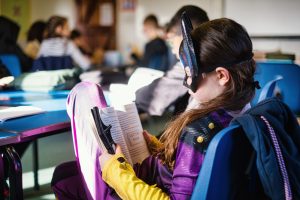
column 288, row 88
column 12, row 63
column 268, row 90
column 226, row 159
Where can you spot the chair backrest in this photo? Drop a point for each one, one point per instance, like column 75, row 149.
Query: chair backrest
column 81, row 99
column 287, row 87
column 12, row 63
column 224, row 165
column 267, row 91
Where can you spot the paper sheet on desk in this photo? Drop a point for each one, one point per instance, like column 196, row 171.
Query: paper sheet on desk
column 7, row 112
column 122, row 94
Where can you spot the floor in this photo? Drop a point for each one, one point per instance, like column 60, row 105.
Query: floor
column 53, row 150
column 56, row 149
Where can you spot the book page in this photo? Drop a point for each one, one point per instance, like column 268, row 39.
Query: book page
column 142, row 77
column 133, row 132
column 120, row 94
column 109, row 117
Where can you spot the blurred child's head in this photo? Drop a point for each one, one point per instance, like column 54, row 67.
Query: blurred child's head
column 174, row 37
column 36, row 31
column 224, row 52
column 151, row 27
column 57, row 26
column 76, row 37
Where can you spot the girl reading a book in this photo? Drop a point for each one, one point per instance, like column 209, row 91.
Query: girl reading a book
column 219, row 67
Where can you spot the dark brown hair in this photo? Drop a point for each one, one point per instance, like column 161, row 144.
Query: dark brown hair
column 36, row 31
column 220, row 43
column 151, row 19
column 196, row 14
column 52, row 24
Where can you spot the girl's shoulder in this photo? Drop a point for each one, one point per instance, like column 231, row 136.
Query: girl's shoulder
column 199, row 133
column 56, row 42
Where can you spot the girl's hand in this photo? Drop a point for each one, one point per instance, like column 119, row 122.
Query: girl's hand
column 152, row 142
column 105, row 156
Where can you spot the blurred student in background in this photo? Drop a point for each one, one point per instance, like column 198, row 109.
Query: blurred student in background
column 35, row 36
column 156, row 51
column 155, row 98
column 9, row 31
column 96, row 55
column 57, row 51
column 77, row 38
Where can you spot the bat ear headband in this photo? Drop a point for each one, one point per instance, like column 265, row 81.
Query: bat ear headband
column 190, row 61
column 187, row 55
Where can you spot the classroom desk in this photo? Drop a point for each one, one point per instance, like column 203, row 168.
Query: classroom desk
column 29, row 128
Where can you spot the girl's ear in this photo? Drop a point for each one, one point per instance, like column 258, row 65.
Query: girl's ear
column 223, row 75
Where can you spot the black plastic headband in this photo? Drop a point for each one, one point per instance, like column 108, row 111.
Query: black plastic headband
column 187, row 54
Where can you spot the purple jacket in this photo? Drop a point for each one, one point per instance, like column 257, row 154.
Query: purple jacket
column 179, row 183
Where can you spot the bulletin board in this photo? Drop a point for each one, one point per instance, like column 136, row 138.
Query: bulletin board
column 18, row 11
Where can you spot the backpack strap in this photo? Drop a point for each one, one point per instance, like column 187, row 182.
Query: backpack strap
column 280, row 160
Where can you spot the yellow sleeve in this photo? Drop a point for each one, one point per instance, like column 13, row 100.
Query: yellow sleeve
column 121, row 177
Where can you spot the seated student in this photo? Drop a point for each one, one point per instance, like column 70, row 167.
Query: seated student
column 156, row 51
column 35, row 36
column 57, row 51
column 221, row 79
column 96, row 55
column 9, row 31
column 76, row 37
column 155, row 98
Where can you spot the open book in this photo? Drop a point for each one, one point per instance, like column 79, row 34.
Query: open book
column 126, row 130
column 8, row 112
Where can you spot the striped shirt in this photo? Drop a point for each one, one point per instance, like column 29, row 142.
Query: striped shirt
column 63, row 47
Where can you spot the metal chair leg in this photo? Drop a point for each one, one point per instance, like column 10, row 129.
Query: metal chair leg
column 15, row 174
column 35, row 164
column 2, row 178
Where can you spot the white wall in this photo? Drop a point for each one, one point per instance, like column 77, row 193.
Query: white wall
column 130, row 23
column 43, row 9
column 268, row 17
column 260, row 17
